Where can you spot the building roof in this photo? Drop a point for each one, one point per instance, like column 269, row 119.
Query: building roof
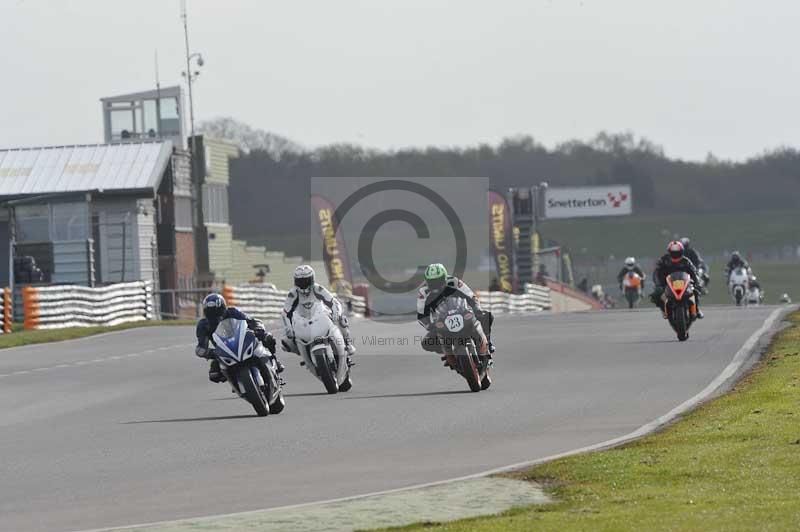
column 127, row 167
column 163, row 92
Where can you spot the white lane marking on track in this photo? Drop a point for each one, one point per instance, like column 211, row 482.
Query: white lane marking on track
column 94, row 361
column 730, row 370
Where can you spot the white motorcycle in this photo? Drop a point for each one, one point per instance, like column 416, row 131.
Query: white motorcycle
column 321, row 345
column 754, row 295
column 246, row 363
column 738, row 285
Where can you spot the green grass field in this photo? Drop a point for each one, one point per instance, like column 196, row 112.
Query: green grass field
column 732, row 464
column 647, row 235
column 21, row 337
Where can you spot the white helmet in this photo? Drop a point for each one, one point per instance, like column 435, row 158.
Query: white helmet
column 630, row 262
column 304, row 278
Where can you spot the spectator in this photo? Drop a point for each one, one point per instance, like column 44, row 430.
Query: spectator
column 583, row 286
column 541, row 275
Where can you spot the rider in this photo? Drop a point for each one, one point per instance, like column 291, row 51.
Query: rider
column 693, row 255
column 674, row 261
column 630, row 266
column 305, row 290
column 214, row 311
column 438, row 286
column 736, row 262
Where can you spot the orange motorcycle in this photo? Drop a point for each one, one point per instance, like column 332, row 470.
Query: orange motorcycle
column 679, row 303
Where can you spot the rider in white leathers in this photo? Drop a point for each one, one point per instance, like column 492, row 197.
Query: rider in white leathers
column 307, row 292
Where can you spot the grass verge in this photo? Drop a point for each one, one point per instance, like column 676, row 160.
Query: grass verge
column 21, row 337
column 732, row 464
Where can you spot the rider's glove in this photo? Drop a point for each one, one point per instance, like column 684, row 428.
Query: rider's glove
column 269, row 343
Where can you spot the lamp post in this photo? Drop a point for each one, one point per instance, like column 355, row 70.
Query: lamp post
column 191, row 76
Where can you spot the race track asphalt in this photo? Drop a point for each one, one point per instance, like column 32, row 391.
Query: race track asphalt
column 125, row 428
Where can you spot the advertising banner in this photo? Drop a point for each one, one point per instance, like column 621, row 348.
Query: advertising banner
column 501, row 238
column 334, row 252
column 577, row 202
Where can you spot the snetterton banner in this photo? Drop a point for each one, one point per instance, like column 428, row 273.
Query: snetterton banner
column 501, row 237
column 577, row 202
column 334, row 252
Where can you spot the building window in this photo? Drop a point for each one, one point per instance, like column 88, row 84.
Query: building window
column 70, row 221
column 215, row 204
column 33, row 223
column 57, row 222
column 183, row 213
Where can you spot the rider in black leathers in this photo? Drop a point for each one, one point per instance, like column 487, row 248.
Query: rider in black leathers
column 215, row 310
column 693, row 255
column 674, row 261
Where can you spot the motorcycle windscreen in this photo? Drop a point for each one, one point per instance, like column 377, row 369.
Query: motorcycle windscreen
column 678, row 282
column 230, row 335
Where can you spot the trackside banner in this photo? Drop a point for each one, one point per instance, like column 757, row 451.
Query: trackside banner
column 501, row 237
column 334, row 252
column 577, row 202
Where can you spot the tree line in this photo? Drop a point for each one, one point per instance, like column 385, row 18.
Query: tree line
column 270, row 179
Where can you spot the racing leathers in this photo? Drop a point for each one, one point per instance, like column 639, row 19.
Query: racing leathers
column 307, row 298
column 428, row 300
column 624, row 271
column 664, row 267
column 206, row 327
column 698, row 263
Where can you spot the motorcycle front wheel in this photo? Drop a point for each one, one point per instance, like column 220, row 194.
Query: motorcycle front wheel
column 467, row 368
column 681, row 323
column 326, row 371
column 252, row 392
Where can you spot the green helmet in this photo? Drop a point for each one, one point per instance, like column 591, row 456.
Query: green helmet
column 435, row 276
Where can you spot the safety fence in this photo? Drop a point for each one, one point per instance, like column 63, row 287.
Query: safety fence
column 59, row 306
column 265, row 301
column 535, row 299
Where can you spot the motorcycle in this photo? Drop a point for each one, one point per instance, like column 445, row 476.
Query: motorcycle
column 679, row 304
column 702, row 274
column 632, row 288
column 246, row 363
column 738, row 285
column 321, row 346
column 754, row 296
column 455, row 325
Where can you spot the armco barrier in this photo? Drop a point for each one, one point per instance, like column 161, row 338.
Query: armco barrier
column 535, row 299
column 265, row 301
column 59, row 306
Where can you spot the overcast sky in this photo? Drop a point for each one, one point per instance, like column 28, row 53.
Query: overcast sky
column 694, row 76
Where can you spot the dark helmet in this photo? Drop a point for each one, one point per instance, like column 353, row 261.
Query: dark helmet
column 214, row 307
column 675, row 250
column 736, row 256
column 686, row 243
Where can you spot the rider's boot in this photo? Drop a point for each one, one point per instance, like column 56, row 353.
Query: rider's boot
column 215, row 373
column 279, row 367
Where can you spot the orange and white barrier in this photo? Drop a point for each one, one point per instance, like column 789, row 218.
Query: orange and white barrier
column 535, row 299
column 265, row 301
column 8, row 310
column 60, row 306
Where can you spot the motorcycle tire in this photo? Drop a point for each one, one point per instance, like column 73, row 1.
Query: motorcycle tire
column 681, row 323
column 278, row 404
column 252, row 392
column 346, row 384
column 467, row 368
column 326, row 373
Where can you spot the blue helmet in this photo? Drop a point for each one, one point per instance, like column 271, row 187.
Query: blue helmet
column 214, row 307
